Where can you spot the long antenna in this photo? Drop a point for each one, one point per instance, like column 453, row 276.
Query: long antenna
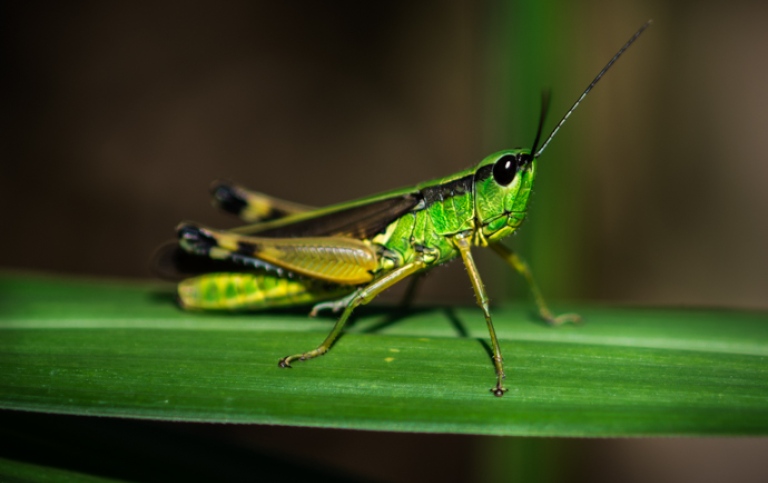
column 545, row 97
column 590, row 86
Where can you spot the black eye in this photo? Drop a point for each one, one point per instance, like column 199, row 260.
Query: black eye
column 505, row 169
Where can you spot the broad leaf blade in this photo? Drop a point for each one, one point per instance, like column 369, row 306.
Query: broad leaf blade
column 107, row 348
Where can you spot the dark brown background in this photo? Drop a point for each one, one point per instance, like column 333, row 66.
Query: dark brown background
column 116, row 117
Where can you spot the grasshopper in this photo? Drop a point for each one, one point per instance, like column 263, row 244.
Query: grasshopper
column 343, row 256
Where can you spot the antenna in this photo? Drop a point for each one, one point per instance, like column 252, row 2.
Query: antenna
column 545, row 97
column 589, row 88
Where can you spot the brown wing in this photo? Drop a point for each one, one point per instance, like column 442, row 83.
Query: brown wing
column 362, row 220
column 358, row 220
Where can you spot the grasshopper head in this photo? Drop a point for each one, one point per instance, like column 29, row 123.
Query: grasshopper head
column 503, row 183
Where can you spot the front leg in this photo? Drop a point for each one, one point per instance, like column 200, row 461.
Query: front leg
column 514, row 260
column 482, row 300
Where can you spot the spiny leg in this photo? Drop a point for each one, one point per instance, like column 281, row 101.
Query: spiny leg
column 338, row 304
column 516, row 262
column 361, row 297
column 334, row 305
column 482, row 300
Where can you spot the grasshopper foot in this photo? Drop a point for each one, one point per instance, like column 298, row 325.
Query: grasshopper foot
column 286, row 361
column 499, row 390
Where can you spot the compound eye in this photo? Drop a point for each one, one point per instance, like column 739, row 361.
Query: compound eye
column 505, row 169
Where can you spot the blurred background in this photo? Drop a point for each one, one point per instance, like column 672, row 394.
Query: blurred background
column 117, row 116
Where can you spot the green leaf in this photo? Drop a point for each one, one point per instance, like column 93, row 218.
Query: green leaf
column 119, row 349
column 18, row 471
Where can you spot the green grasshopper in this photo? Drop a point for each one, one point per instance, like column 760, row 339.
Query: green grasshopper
column 343, row 256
